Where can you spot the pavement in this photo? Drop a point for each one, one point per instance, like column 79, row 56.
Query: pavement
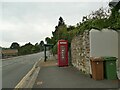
column 52, row 76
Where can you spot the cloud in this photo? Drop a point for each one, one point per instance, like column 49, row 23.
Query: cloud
column 25, row 32
column 25, row 22
column 55, row 0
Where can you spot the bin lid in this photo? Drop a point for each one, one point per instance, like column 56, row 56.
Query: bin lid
column 100, row 59
column 109, row 58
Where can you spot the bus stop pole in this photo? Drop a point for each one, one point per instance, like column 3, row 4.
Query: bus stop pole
column 45, row 53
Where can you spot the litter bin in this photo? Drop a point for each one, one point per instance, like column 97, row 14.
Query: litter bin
column 97, row 68
column 110, row 67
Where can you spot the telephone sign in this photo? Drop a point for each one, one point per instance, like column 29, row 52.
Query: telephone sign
column 62, row 53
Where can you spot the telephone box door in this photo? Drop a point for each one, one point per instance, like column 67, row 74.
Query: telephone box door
column 62, row 53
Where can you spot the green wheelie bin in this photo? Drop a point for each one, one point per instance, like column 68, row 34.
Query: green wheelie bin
column 110, row 71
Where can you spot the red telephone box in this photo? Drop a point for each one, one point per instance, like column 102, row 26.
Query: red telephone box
column 62, row 53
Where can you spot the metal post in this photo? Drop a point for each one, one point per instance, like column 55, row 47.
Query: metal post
column 45, row 53
column 70, row 60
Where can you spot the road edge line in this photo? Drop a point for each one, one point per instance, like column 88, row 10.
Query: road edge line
column 24, row 81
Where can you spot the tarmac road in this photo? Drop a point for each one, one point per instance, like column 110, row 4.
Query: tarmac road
column 14, row 69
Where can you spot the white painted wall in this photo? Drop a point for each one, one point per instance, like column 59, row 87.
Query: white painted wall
column 1, row 75
column 119, row 47
column 103, row 43
column 119, row 55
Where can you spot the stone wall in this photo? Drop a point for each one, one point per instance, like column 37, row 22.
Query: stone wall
column 80, row 52
column 94, row 43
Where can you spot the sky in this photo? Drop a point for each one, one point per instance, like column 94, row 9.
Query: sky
column 24, row 21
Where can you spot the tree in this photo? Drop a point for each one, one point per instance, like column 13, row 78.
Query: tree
column 14, row 45
column 115, row 15
column 48, row 40
column 41, row 45
column 36, row 48
column 28, row 48
column 61, row 32
column 70, row 28
column 101, row 13
column 61, row 21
